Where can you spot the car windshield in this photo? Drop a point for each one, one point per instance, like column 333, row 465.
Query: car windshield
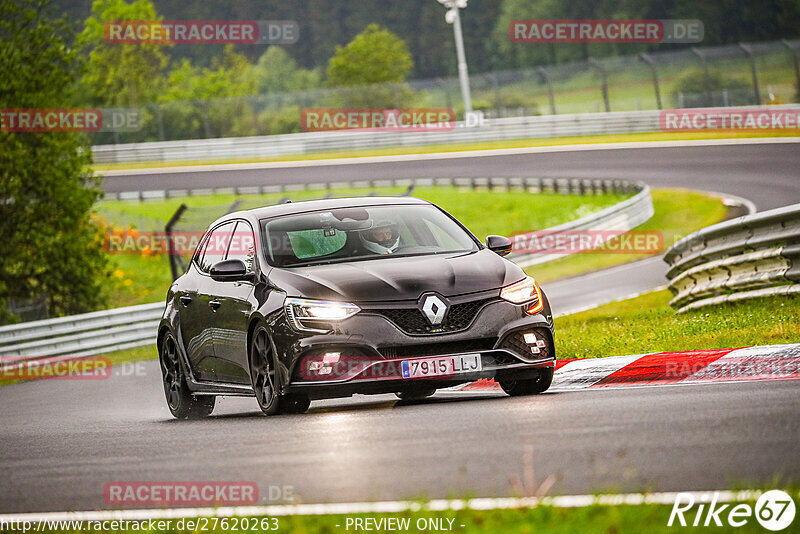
column 357, row 233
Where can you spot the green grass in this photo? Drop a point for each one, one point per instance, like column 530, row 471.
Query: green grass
column 601, row 519
column 462, row 147
column 142, row 279
column 647, row 324
column 676, row 214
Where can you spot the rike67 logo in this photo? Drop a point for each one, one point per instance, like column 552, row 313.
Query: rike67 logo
column 774, row 510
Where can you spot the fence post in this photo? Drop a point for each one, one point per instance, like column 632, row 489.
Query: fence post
column 498, row 100
column 448, row 101
column 709, row 97
column 793, row 51
column 754, row 69
column 159, row 120
column 603, row 81
column 173, row 257
column 650, row 63
column 546, row 77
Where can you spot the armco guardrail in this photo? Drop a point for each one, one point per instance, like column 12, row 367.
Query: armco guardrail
column 83, row 335
column 620, row 217
column 122, row 328
column 566, row 186
column 309, row 142
column 752, row 256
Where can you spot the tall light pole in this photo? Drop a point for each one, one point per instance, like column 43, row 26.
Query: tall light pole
column 452, row 17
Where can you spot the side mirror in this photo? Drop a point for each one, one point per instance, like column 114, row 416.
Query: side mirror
column 499, row 244
column 230, row 271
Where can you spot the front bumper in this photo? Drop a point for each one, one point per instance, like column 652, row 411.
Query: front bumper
column 371, row 350
column 386, row 376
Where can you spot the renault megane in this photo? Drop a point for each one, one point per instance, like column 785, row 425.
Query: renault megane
column 330, row 298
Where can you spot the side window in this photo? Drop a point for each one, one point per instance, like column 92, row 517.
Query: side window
column 243, row 245
column 215, row 246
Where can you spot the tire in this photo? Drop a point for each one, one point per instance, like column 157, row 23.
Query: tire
column 415, row 395
column 262, row 372
column 295, row 403
column 180, row 401
column 534, row 386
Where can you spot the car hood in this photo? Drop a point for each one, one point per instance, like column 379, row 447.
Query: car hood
column 398, row 278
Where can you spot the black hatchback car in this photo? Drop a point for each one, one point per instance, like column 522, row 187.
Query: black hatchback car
column 329, row 298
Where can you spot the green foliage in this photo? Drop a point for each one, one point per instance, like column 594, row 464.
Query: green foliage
column 694, row 87
column 51, row 248
column 277, row 72
column 372, row 69
column 376, row 55
column 201, row 102
column 121, row 74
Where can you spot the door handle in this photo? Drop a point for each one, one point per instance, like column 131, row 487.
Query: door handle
column 215, row 304
column 186, row 300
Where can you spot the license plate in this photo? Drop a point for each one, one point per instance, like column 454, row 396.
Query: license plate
column 445, row 365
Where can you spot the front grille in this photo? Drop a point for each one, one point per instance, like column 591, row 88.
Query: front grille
column 516, row 343
column 412, row 321
column 437, row 349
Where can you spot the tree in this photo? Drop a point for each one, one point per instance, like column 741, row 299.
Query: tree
column 204, row 102
column 277, row 72
column 47, row 190
column 121, row 74
column 375, row 56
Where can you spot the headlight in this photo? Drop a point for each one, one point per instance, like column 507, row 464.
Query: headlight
column 312, row 315
column 525, row 291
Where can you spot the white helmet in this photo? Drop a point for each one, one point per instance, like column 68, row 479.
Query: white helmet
column 381, row 238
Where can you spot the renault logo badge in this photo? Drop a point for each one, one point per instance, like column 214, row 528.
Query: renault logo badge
column 434, row 309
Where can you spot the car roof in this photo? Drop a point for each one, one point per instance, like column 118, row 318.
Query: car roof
column 291, row 208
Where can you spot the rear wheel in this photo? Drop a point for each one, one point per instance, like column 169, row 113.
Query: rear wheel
column 531, row 386
column 262, row 372
column 182, row 404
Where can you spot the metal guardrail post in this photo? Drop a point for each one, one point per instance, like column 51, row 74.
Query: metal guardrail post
column 754, row 70
column 650, row 63
column 709, row 96
column 795, row 60
column 233, row 207
column 173, row 257
column 603, row 81
column 550, row 95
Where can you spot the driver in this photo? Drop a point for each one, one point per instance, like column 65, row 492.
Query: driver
column 382, row 238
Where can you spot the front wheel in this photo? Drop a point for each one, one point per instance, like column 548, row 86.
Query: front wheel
column 182, row 404
column 532, row 386
column 262, row 372
column 295, row 403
